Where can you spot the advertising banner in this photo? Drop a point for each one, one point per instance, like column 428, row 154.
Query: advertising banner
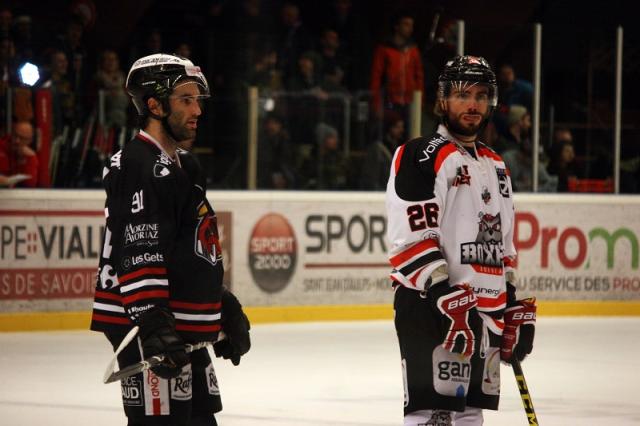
column 292, row 249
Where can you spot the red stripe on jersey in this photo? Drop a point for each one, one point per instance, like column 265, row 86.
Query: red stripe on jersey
column 151, row 294
column 198, row 328
column 509, row 261
column 195, row 306
column 109, row 319
column 398, row 159
column 156, row 406
column 402, row 257
column 485, row 152
column 490, row 302
column 110, row 296
column 446, row 151
column 141, row 272
column 489, row 270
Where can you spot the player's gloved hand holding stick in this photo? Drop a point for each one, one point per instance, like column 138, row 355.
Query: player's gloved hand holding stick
column 158, row 336
column 455, row 303
column 519, row 327
column 235, row 325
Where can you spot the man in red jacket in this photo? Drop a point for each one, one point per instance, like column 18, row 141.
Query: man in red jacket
column 397, row 66
column 18, row 158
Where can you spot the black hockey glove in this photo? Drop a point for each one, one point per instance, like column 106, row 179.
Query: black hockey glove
column 235, row 325
column 519, row 327
column 159, row 337
column 457, row 305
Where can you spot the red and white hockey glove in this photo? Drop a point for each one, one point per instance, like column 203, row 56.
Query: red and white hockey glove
column 455, row 302
column 519, row 330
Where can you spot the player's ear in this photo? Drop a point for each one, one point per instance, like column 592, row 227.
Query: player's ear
column 155, row 107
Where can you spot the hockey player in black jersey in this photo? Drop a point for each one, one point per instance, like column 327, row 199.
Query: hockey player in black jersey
column 161, row 263
column 451, row 222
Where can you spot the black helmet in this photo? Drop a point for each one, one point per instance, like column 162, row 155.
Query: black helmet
column 156, row 76
column 473, row 69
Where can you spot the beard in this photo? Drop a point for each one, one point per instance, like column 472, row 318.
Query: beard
column 455, row 126
column 179, row 128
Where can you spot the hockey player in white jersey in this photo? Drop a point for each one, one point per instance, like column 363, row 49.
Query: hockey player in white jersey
column 451, row 221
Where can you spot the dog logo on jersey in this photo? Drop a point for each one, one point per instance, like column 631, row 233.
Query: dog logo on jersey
column 207, row 244
column 462, row 176
column 503, row 182
column 489, row 229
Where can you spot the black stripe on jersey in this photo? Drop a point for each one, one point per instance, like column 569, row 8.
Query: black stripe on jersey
column 420, row 262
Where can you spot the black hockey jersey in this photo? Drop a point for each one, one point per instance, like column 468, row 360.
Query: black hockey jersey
column 450, row 215
column 161, row 245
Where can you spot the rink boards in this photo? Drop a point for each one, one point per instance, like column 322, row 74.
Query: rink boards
column 296, row 256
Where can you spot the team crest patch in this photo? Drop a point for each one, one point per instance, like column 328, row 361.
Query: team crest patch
column 503, row 182
column 462, row 176
column 207, row 244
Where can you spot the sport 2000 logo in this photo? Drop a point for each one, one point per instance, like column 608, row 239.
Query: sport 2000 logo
column 272, row 252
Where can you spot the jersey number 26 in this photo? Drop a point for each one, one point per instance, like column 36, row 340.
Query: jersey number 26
column 421, row 216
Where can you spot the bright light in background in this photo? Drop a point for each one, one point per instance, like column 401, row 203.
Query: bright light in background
column 269, row 104
column 29, row 74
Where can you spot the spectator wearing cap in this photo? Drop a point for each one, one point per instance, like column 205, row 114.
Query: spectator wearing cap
column 326, row 167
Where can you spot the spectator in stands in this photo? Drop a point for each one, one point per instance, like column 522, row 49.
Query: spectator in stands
column 518, row 156
column 562, row 161
column 511, row 91
column 18, row 158
column 23, row 39
column 294, row 38
column 6, row 19
column 73, row 47
column 111, row 79
column 375, row 168
column 63, row 97
column 331, row 163
column 8, row 65
column 149, row 42
column 397, row 70
column 334, row 63
column 275, row 156
column 310, row 101
column 263, row 72
column 355, row 40
column 184, row 49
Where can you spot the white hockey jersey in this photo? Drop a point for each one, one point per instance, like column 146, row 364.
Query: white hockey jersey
column 451, row 214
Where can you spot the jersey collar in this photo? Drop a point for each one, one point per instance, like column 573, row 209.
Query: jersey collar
column 146, row 137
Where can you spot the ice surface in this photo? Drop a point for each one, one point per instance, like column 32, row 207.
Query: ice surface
column 583, row 371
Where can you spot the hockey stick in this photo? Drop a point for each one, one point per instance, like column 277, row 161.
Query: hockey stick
column 147, row 364
column 527, row 402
